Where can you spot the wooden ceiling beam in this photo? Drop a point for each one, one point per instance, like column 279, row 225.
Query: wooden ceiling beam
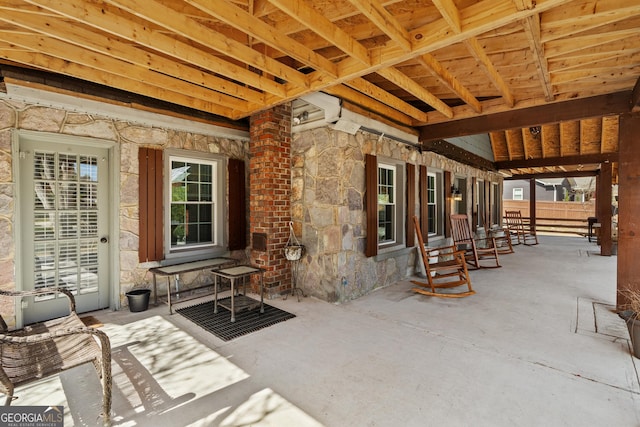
column 374, row 115
column 120, row 82
column 497, row 144
column 576, row 18
column 236, row 17
column 515, row 145
column 609, row 59
column 478, row 18
column 577, row 44
column 596, row 106
column 451, row 15
column 481, row 56
column 112, row 46
column 359, row 98
column 558, row 161
column 292, row 25
column 449, row 80
column 591, row 74
column 547, row 175
column 106, row 18
column 387, row 98
column 386, row 22
column 403, row 81
column 319, row 24
column 167, row 18
column 531, row 26
column 262, row 8
column 92, row 65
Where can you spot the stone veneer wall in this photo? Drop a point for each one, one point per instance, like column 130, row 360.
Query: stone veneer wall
column 16, row 115
column 328, row 184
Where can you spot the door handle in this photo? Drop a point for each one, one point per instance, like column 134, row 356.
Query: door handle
column 103, row 240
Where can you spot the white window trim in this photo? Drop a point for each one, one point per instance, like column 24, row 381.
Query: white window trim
column 521, row 191
column 394, row 186
column 435, row 198
column 439, row 203
column 480, row 203
column 218, row 247
column 400, row 187
column 495, row 200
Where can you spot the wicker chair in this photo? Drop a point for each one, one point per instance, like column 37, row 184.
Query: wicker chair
column 50, row 347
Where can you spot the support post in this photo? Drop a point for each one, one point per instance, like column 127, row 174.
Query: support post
column 532, row 203
column 628, row 207
column 270, row 200
column 603, row 200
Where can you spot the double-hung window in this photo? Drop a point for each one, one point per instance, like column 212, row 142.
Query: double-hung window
column 518, row 193
column 480, row 203
column 386, row 203
column 194, row 220
column 432, row 204
column 495, row 203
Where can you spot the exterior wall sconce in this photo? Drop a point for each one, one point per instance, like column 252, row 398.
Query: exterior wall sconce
column 301, row 117
column 456, row 194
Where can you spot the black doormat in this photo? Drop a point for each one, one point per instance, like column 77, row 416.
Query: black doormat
column 220, row 325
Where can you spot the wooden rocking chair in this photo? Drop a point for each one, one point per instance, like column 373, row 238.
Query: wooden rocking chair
column 476, row 250
column 50, row 347
column 502, row 236
column 448, row 271
column 522, row 230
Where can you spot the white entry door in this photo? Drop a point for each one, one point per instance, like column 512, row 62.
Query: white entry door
column 64, row 205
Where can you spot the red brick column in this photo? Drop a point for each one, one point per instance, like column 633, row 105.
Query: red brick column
column 270, row 195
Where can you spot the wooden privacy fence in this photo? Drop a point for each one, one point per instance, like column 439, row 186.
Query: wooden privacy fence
column 556, row 217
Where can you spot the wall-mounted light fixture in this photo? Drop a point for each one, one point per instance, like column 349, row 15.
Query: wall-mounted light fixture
column 301, row 117
column 456, row 194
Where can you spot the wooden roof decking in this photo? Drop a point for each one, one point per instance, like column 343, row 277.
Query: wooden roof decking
column 418, row 63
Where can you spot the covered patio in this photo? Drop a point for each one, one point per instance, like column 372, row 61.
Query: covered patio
column 539, row 344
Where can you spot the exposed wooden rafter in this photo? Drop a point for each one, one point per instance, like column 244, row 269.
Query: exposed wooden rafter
column 445, row 67
column 597, row 106
column 558, row 161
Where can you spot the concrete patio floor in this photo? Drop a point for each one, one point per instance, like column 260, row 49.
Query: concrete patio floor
column 538, row 345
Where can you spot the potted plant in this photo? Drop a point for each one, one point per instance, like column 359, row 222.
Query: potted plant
column 631, row 315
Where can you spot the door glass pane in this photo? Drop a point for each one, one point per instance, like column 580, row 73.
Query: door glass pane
column 66, row 221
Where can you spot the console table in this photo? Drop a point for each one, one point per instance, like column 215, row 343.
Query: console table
column 243, row 302
column 187, row 267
